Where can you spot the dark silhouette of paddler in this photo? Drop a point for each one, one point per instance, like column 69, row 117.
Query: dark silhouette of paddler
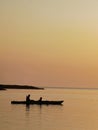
column 28, row 99
column 40, row 99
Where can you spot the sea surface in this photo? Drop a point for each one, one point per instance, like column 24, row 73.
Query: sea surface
column 78, row 112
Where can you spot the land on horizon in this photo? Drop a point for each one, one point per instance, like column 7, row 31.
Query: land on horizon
column 5, row 86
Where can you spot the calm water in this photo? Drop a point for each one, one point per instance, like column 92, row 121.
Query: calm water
column 78, row 112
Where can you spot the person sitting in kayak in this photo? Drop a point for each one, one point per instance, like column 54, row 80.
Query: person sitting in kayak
column 28, row 98
column 40, row 99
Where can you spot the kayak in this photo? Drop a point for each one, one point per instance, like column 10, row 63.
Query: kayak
column 44, row 102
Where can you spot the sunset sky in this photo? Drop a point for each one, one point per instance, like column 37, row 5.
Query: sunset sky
column 49, row 42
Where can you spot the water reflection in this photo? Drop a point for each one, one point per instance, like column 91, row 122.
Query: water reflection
column 27, row 107
column 79, row 112
column 42, row 109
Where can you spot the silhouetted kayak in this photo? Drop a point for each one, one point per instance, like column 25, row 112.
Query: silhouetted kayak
column 38, row 102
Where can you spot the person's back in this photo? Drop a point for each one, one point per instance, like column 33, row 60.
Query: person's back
column 28, row 98
column 40, row 99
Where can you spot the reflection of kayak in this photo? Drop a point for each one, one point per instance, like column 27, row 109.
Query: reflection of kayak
column 38, row 102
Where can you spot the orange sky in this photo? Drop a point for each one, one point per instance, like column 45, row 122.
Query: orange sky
column 49, row 42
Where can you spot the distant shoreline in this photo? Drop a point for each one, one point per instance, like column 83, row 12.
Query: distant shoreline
column 4, row 87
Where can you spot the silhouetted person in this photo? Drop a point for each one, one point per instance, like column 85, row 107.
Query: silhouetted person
column 40, row 99
column 28, row 98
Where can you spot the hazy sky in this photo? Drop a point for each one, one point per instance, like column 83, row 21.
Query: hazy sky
column 49, row 42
